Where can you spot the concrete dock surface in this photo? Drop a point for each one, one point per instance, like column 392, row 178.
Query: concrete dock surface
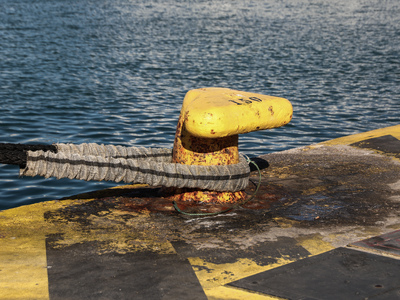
column 324, row 224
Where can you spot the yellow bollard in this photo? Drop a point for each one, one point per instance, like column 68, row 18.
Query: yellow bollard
column 192, row 150
column 208, row 128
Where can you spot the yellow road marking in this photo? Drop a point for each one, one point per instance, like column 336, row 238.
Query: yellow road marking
column 214, row 277
column 347, row 140
column 23, row 231
column 231, row 293
column 23, row 265
column 314, row 244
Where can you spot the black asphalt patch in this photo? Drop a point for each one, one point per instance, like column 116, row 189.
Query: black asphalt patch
column 79, row 272
column 387, row 144
column 338, row 274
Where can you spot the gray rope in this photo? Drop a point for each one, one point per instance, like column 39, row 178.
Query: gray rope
column 151, row 166
column 229, row 208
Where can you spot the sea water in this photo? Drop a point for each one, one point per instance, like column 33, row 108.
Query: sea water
column 116, row 72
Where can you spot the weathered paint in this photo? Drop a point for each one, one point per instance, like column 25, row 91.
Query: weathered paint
column 314, row 243
column 310, row 201
column 221, row 112
column 208, row 128
column 191, row 150
column 351, row 139
column 23, row 266
column 214, row 277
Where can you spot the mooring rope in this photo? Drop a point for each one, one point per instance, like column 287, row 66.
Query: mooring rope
column 204, row 214
column 152, row 166
column 15, row 154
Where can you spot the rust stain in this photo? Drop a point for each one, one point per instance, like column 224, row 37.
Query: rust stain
column 192, row 150
column 206, row 196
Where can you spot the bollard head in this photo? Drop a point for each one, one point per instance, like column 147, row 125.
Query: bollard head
column 220, row 112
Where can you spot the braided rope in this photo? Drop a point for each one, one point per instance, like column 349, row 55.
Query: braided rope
column 151, row 166
column 15, row 154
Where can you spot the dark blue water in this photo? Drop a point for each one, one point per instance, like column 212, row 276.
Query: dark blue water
column 116, row 71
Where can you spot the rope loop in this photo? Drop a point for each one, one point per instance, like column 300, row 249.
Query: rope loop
column 248, row 160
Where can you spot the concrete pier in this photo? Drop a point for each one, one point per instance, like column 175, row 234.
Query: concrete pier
column 325, row 224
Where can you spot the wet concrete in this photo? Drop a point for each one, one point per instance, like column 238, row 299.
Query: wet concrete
column 336, row 193
column 324, row 187
column 333, row 186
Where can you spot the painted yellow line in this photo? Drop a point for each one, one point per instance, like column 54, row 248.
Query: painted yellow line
column 23, row 263
column 231, row 293
column 214, row 277
column 23, row 266
column 347, row 140
column 314, row 244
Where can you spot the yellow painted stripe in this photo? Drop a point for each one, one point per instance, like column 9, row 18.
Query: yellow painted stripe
column 314, row 244
column 347, row 140
column 23, row 231
column 214, row 277
column 23, row 265
column 231, row 293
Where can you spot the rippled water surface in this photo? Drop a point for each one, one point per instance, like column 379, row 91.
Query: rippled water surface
column 116, row 72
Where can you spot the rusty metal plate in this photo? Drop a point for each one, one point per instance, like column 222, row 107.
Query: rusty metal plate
column 388, row 243
column 338, row 274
